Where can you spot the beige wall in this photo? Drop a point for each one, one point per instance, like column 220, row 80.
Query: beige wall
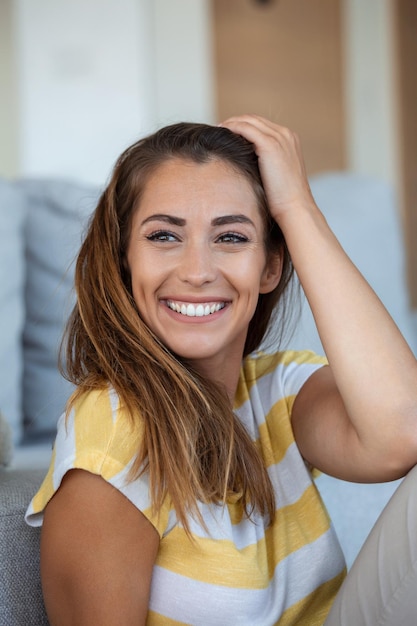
column 370, row 88
column 183, row 68
column 8, row 94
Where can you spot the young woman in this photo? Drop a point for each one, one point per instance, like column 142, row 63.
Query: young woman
column 180, row 489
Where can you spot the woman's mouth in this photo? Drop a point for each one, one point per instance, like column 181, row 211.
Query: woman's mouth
column 189, row 309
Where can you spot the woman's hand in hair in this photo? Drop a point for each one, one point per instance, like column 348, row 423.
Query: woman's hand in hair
column 281, row 163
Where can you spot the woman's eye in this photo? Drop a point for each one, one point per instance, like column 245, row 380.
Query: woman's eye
column 232, row 238
column 162, row 235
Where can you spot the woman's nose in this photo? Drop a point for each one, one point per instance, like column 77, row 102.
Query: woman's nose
column 197, row 265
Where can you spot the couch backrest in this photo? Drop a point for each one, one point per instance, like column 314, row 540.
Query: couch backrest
column 363, row 213
column 42, row 223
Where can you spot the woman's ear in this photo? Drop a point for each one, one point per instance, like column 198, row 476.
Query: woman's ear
column 272, row 273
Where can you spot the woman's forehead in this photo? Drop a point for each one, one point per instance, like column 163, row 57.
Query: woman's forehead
column 180, row 180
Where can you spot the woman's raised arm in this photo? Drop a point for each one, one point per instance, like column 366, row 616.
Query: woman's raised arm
column 357, row 419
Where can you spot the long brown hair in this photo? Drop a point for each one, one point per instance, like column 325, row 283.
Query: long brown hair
column 194, row 446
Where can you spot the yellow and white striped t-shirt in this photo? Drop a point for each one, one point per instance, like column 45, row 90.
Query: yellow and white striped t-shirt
column 237, row 571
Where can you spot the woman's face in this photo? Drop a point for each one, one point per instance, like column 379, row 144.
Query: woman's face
column 197, row 259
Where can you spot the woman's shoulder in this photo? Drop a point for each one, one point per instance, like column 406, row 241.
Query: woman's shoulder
column 97, row 435
column 98, row 423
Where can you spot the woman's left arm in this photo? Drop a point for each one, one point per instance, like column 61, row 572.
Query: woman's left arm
column 356, row 419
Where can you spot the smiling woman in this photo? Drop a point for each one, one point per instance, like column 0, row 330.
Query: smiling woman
column 182, row 468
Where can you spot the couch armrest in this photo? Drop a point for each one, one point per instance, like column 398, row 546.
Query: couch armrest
column 20, row 588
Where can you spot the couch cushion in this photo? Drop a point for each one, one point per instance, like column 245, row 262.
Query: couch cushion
column 6, row 446
column 57, row 215
column 12, row 213
column 363, row 213
column 20, row 588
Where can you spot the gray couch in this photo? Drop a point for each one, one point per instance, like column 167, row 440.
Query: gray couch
column 41, row 227
column 41, row 223
column 21, row 601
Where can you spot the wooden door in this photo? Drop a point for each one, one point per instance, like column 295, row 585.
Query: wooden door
column 283, row 59
column 406, row 64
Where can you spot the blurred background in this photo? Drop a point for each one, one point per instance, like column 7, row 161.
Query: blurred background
column 81, row 79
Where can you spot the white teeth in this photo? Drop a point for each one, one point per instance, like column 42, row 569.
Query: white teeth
column 190, row 310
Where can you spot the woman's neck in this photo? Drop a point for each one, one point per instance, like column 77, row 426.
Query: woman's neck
column 221, row 371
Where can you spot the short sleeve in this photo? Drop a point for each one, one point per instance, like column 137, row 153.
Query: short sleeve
column 297, row 368
column 100, row 437
column 268, row 386
column 300, row 365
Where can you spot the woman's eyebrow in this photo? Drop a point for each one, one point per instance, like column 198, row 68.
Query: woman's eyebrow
column 232, row 219
column 162, row 217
